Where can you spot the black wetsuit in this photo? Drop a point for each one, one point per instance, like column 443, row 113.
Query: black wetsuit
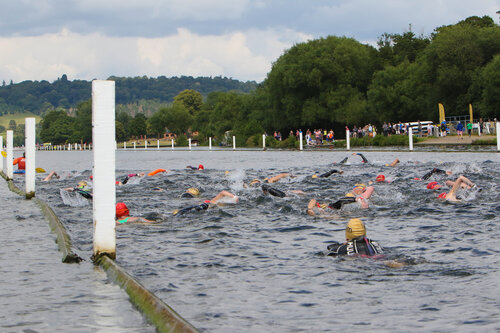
column 328, row 173
column 433, row 171
column 360, row 245
column 273, row 191
column 342, row 201
column 344, row 160
column 83, row 193
column 196, row 208
column 363, row 157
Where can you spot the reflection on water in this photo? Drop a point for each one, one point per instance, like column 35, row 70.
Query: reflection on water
column 260, row 265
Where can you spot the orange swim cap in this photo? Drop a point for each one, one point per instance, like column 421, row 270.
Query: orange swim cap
column 380, row 178
column 121, row 210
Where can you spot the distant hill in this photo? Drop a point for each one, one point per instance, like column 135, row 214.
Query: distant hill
column 40, row 96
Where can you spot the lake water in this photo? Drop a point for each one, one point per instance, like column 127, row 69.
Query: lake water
column 260, row 265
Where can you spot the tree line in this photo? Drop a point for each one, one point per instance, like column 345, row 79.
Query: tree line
column 336, row 81
column 40, row 97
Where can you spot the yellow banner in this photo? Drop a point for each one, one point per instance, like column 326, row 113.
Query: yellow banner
column 441, row 113
column 470, row 112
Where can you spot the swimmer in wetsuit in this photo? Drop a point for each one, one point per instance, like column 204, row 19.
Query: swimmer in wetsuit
column 328, row 173
column 191, row 193
column 356, row 242
column 359, row 194
column 81, row 189
column 220, row 198
column 364, row 160
column 125, row 179
column 123, row 215
column 200, row 167
column 437, row 171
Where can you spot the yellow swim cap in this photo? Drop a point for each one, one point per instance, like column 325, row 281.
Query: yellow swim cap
column 193, row 190
column 314, row 176
column 175, row 212
column 355, row 228
column 255, row 181
column 82, row 184
column 226, row 172
column 360, row 185
column 349, row 194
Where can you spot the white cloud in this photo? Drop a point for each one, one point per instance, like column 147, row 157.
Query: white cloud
column 241, row 55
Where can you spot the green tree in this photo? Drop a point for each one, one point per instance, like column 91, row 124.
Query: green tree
column 120, row 134
column 178, row 119
column 138, row 125
column 56, row 127
column 83, row 123
column 12, row 125
column 190, row 99
column 313, row 83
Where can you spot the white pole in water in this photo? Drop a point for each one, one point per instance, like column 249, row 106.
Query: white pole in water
column 104, row 196
column 1, row 149
column 158, row 144
column 301, row 143
column 210, row 143
column 30, row 149
column 10, row 157
column 172, row 144
column 263, row 141
column 234, row 142
column 410, row 137
column 134, row 145
column 189, row 143
column 124, row 145
column 498, row 135
column 348, row 139
column 145, row 144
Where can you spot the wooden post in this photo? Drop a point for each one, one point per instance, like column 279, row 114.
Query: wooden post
column 10, row 157
column 30, row 151
column 348, row 139
column 104, row 196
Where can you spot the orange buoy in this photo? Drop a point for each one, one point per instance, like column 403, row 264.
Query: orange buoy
column 152, row 173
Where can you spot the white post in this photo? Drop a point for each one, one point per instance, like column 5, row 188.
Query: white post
column 234, row 142
column 210, row 143
column 410, row 137
column 10, row 157
column 263, row 141
column 348, row 139
column 158, row 144
column 1, row 150
column 172, row 144
column 30, row 149
column 134, row 145
column 69, row 146
column 124, row 145
column 498, row 135
column 145, row 144
column 76, row 146
column 189, row 143
column 301, row 145
column 104, row 196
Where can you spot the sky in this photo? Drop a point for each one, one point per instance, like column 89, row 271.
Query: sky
column 95, row 39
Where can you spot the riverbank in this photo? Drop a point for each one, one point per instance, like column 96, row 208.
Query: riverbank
column 455, row 140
